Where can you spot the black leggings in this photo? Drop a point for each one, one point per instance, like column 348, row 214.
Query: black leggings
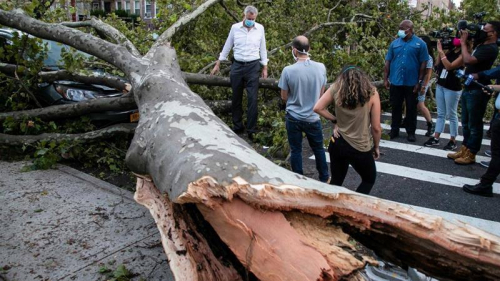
column 342, row 154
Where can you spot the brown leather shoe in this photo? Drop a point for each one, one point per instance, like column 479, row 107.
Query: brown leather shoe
column 467, row 158
column 458, row 154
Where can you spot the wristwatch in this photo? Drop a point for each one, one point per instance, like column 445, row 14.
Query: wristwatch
column 334, row 121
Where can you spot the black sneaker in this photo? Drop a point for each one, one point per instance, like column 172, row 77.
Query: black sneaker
column 450, row 146
column 488, row 153
column 432, row 142
column 479, row 189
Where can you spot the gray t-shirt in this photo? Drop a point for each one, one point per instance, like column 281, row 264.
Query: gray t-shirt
column 303, row 81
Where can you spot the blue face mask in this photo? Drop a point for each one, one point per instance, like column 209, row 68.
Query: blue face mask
column 401, row 34
column 249, row 23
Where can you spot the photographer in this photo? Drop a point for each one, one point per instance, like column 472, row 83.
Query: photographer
column 485, row 185
column 448, row 91
column 474, row 100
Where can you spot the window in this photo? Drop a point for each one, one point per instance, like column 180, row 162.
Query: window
column 137, row 7
column 119, row 5
column 127, row 6
column 95, row 6
column 148, row 13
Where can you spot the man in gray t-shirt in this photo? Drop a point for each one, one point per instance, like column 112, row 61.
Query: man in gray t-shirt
column 301, row 86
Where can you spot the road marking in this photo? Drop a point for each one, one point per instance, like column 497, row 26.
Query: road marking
column 421, row 118
column 423, row 150
column 423, row 175
column 442, row 136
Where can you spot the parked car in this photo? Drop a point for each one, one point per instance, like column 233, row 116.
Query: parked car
column 67, row 92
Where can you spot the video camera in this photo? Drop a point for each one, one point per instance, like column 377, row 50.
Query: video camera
column 446, row 36
column 469, row 79
column 474, row 31
column 474, row 28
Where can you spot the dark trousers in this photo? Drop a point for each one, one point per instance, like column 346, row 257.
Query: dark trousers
column 398, row 94
column 245, row 75
column 474, row 104
column 494, row 168
column 314, row 134
column 342, row 154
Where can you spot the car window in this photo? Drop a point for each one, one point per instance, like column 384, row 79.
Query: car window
column 54, row 53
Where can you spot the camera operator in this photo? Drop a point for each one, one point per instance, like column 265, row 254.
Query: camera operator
column 474, row 100
column 485, row 186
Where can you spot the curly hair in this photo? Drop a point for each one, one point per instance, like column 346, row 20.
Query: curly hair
column 352, row 88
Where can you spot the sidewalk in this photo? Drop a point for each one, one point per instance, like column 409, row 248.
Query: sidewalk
column 63, row 224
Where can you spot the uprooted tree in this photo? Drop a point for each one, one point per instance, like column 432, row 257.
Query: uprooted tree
column 227, row 213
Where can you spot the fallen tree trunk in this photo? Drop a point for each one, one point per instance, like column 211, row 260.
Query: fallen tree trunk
column 192, row 157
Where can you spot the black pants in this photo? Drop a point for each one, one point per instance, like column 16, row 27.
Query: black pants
column 341, row 155
column 494, row 168
column 245, row 75
column 398, row 94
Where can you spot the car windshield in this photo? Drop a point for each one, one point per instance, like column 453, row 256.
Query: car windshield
column 54, row 58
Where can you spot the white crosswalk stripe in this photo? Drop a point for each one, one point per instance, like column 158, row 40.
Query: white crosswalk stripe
column 420, row 118
column 423, row 150
column 442, row 136
column 422, row 175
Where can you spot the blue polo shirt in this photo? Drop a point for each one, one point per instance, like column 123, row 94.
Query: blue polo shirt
column 405, row 58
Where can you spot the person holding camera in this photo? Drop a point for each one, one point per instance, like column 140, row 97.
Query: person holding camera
column 485, row 185
column 474, row 100
column 301, row 86
column 404, row 72
column 356, row 124
column 448, row 91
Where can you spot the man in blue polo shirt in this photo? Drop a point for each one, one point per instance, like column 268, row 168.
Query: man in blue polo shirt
column 403, row 73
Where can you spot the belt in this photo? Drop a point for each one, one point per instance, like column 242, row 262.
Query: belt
column 246, row 62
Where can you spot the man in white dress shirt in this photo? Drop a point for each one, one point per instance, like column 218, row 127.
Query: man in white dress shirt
column 249, row 46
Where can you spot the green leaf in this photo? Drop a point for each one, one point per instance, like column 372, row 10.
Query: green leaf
column 41, row 152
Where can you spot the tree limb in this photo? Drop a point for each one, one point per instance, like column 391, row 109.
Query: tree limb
column 108, row 31
column 105, row 79
column 51, row 76
column 254, row 3
column 170, row 32
column 73, row 110
column 229, row 12
column 82, row 41
column 107, row 132
column 211, row 80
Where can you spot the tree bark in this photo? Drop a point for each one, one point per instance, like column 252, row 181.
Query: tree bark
column 108, row 31
column 73, row 110
column 193, row 157
column 110, row 131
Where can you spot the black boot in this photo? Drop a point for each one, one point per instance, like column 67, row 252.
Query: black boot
column 429, row 129
column 481, row 189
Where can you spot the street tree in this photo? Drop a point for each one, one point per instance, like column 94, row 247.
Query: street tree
column 225, row 212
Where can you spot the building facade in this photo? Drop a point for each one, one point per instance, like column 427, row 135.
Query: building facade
column 146, row 9
column 446, row 5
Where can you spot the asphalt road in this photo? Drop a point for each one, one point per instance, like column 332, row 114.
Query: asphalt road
column 412, row 174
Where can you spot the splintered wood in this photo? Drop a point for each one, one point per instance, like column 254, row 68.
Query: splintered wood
column 189, row 255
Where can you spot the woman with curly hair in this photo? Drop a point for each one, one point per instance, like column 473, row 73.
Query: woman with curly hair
column 357, row 130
